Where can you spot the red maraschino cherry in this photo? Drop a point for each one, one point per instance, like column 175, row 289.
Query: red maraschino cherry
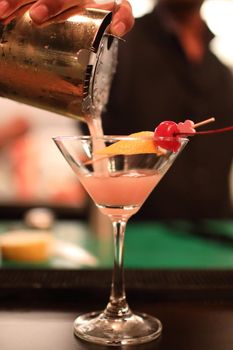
column 167, row 129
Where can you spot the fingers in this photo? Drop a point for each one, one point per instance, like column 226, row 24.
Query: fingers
column 40, row 11
column 44, row 9
column 123, row 19
column 9, row 6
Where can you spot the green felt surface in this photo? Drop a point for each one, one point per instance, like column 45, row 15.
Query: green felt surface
column 174, row 246
column 149, row 245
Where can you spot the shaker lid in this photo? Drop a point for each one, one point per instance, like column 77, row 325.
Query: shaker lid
column 99, row 75
column 100, row 67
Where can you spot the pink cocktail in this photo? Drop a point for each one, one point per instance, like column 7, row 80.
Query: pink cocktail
column 119, row 173
column 121, row 194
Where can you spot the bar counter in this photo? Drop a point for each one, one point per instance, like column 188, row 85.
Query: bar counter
column 181, row 274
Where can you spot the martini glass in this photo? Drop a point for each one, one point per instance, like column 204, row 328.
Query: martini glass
column 118, row 180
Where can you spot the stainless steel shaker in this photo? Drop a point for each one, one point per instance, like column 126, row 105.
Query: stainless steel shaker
column 64, row 66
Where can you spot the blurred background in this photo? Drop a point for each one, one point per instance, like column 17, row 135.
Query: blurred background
column 218, row 15
column 33, row 174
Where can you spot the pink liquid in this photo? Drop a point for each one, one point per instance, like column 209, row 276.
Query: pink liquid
column 121, row 193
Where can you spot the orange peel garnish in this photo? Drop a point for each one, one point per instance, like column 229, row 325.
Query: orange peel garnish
column 134, row 146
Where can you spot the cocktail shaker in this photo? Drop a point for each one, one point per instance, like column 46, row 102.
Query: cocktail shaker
column 64, row 66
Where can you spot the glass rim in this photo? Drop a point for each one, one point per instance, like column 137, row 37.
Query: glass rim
column 118, row 138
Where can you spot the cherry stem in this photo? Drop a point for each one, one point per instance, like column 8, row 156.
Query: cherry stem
column 216, row 131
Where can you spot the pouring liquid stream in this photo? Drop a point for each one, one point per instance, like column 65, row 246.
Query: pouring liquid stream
column 94, row 124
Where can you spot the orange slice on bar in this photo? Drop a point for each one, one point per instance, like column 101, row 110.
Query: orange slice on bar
column 134, row 146
column 26, row 246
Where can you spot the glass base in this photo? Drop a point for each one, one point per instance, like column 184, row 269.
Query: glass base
column 132, row 329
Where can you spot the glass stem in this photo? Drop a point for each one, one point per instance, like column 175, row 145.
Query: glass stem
column 117, row 306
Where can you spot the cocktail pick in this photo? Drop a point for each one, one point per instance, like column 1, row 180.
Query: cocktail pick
column 188, row 127
column 204, row 122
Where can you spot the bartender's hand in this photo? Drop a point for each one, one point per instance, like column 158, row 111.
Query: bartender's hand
column 42, row 10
